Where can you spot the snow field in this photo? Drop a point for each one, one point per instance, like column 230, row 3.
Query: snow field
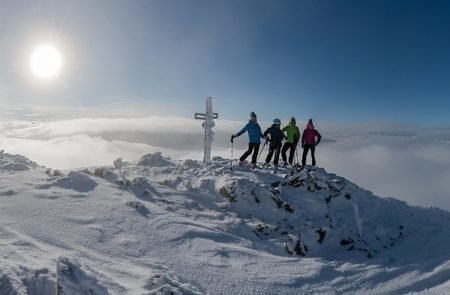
column 170, row 227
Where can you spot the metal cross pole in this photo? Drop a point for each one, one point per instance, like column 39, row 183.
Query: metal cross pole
column 208, row 124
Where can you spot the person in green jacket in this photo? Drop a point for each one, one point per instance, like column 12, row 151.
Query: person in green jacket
column 292, row 137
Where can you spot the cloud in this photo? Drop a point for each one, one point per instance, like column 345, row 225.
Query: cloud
column 411, row 170
column 78, row 142
column 403, row 161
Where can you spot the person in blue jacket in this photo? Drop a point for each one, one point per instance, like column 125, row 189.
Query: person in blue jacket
column 254, row 136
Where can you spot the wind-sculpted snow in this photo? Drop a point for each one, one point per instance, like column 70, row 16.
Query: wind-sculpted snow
column 12, row 163
column 75, row 278
column 18, row 280
column 183, row 227
column 154, row 160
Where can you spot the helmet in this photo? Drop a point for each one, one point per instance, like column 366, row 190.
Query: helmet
column 292, row 121
column 276, row 121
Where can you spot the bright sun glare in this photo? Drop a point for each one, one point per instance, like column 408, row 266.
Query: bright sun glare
column 46, row 61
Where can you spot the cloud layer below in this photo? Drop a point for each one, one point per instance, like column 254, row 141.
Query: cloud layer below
column 401, row 161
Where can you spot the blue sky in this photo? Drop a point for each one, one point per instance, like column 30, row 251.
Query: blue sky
column 343, row 61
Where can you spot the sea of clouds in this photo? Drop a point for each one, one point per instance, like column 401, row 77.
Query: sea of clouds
column 403, row 161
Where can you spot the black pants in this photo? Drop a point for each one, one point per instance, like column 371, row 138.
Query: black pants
column 306, row 148
column 251, row 147
column 287, row 146
column 274, row 149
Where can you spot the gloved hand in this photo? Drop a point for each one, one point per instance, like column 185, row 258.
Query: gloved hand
column 266, row 138
column 232, row 137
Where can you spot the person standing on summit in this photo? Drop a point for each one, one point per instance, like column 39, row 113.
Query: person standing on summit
column 254, row 136
column 309, row 142
column 276, row 139
column 292, row 138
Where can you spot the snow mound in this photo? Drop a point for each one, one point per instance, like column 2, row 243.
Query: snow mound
column 192, row 164
column 75, row 278
column 77, row 181
column 23, row 280
column 165, row 284
column 15, row 163
column 154, row 160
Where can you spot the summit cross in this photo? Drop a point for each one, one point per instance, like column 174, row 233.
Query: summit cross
column 208, row 124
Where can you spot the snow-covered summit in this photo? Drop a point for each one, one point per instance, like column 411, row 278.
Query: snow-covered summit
column 182, row 227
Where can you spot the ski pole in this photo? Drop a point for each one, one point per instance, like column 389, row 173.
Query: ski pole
column 231, row 163
column 261, row 151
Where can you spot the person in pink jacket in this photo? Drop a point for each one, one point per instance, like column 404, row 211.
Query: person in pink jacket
column 309, row 142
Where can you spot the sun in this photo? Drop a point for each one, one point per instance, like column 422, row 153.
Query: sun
column 46, row 61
